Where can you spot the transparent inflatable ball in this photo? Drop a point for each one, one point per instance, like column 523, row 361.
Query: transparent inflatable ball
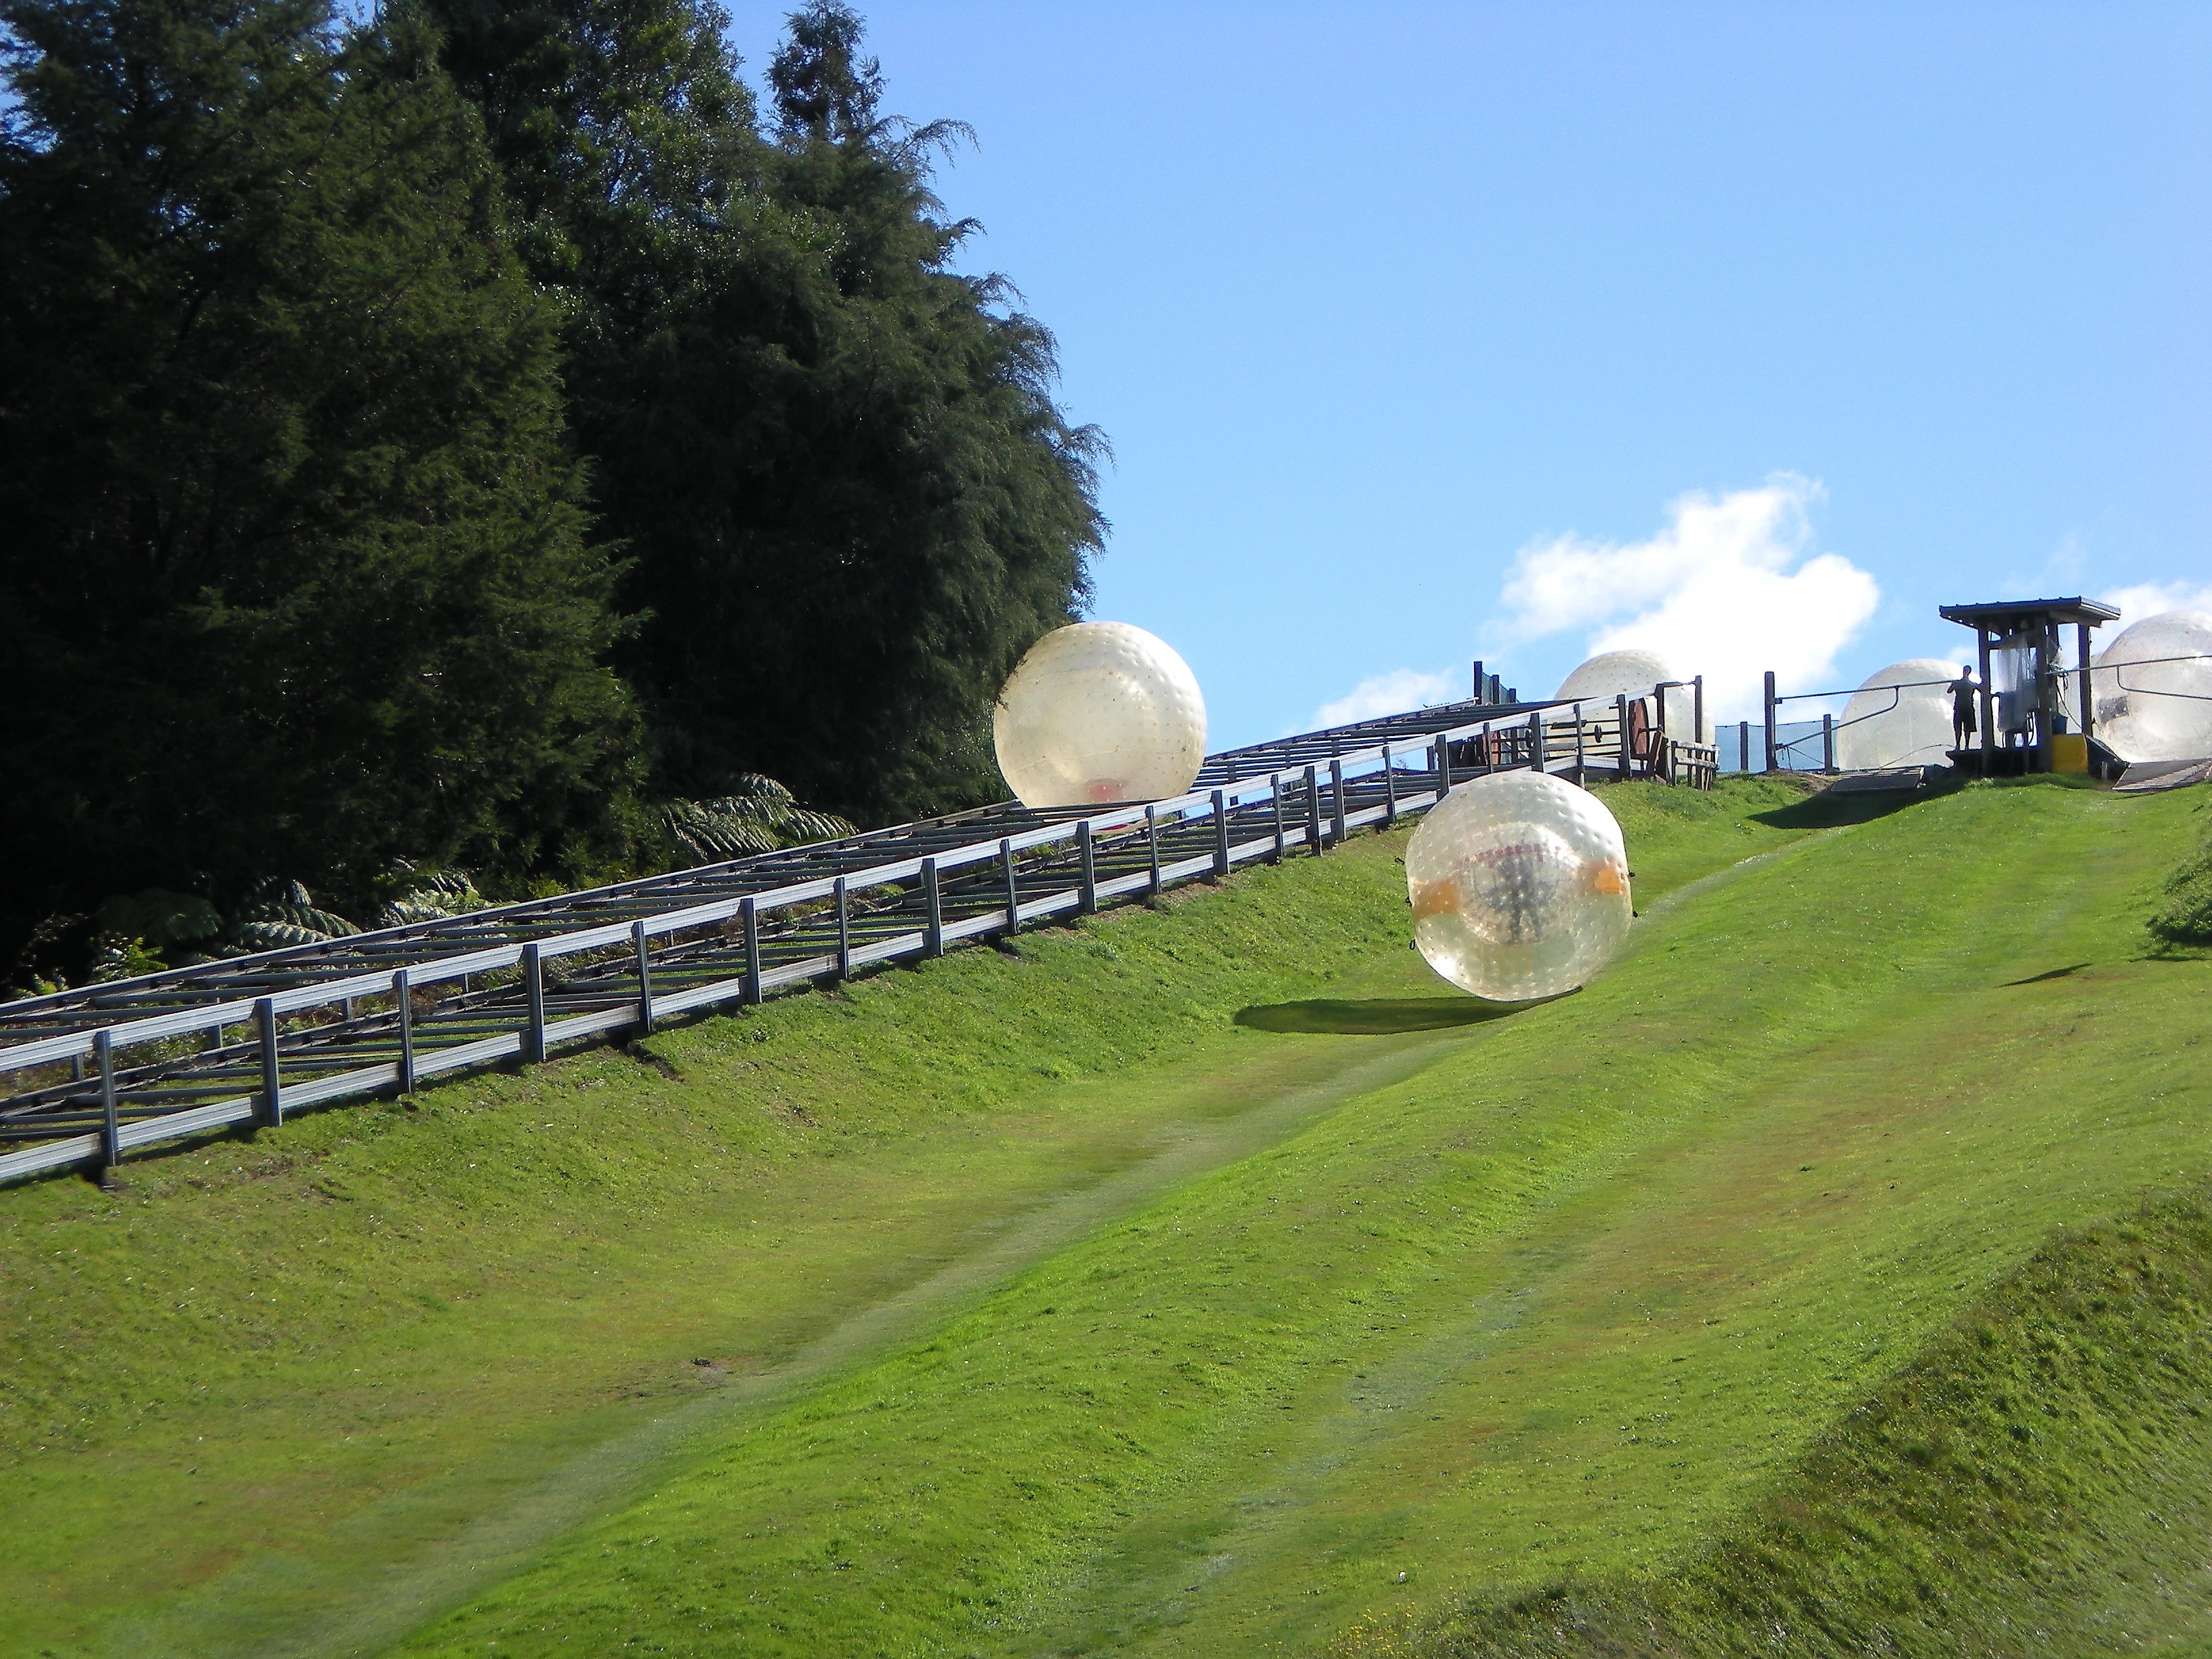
column 1902, row 716
column 1098, row 713
column 1519, row 883
column 1632, row 674
column 2153, row 689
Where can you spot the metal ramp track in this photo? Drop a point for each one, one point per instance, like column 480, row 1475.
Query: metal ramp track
column 96, row 1073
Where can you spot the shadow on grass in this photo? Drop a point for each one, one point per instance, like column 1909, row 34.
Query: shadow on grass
column 2038, row 979
column 1375, row 1016
column 1829, row 810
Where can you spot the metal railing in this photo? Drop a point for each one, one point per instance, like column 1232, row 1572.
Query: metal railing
column 1792, row 745
column 98, row 1072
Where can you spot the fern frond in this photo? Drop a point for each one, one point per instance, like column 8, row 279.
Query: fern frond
column 278, row 914
column 758, row 815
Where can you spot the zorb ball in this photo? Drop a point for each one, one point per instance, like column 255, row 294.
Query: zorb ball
column 1900, row 717
column 1520, row 886
column 2153, row 689
column 1099, row 712
column 1635, row 674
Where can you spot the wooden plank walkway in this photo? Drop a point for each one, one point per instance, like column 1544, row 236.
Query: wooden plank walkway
column 96, row 1072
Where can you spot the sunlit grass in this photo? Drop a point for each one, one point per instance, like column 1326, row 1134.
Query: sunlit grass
column 1197, row 1281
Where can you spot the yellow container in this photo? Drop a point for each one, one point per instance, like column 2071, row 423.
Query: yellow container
column 2069, row 752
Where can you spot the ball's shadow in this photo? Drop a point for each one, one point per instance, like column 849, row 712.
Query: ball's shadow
column 1377, row 1016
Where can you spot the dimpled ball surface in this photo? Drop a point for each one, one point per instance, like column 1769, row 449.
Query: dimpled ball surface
column 1635, row 674
column 1900, row 717
column 1099, row 712
column 2153, row 689
column 1519, row 883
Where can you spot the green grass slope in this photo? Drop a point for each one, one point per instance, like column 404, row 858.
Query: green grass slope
column 1206, row 1281
column 2037, row 1481
column 1563, row 1303
column 297, row 1392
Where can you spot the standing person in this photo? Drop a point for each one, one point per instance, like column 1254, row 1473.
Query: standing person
column 1964, row 694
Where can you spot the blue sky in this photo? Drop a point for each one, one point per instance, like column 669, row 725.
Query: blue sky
column 1750, row 333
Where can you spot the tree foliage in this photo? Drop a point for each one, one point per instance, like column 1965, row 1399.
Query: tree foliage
column 835, row 461
column 424, row 442
column 298, row 576
column 759, row 815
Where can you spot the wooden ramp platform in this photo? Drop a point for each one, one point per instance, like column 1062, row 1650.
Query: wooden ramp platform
column 2148, row 777
column 1894, row 780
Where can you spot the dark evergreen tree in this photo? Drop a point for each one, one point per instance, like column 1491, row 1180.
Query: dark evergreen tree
column 623, row 132
column 295, row 579
column 834, row 462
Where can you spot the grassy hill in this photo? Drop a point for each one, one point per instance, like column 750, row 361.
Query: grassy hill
column 1210, row 1278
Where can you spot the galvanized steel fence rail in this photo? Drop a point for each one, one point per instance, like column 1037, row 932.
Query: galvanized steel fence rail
column 96, row 1072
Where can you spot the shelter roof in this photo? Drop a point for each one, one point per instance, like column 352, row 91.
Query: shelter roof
column 2008, row 614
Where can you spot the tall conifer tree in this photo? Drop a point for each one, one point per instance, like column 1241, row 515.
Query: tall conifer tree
column 296, row 577
column 834, row 463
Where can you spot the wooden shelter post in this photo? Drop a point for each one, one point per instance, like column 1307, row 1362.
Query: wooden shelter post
column 2088, row 703
column 1769, row 720
column 1988, row 703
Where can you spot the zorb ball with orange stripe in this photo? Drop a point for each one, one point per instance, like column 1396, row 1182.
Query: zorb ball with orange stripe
column 1520, row 886
column 1099, row 713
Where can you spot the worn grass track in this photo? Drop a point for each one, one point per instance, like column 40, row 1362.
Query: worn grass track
column 1566, row 1298
column 291, row 1389
column 1162, row 1332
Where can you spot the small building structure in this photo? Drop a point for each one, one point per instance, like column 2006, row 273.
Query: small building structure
column 2023, row 720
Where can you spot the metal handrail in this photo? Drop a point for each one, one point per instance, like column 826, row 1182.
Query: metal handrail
column 2094, row 668
column 485, row 987
column 651, row 949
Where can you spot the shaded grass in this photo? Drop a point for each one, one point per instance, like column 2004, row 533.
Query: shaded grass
column 242, row 1393
column 2040, row 1479
column 2183, row 914
column 1373, row 1016
column 1567, row 1298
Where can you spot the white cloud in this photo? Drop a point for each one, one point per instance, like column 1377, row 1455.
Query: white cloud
column 2148, row 598
column 1727, row 589
column 1393, row 693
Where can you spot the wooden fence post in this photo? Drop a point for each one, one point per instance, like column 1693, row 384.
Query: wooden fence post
column 272, row 1092
column 933, row 931
column 1153, row 846
column 533, row 988
column 1698, row 707
column 749, row 914
column 1539, row 748
column 1770, row 720
column 1581, row 751
column 1275, row 786
column 1313, row 811
column 1389, row 789
column 641, row 957
column 1013, row 886
column 1220, row 833
column 403, row 994
column 1336, row 804
column 1627, row 758
column 1828, row 744
column 111, row 1128
column 1086, row 896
